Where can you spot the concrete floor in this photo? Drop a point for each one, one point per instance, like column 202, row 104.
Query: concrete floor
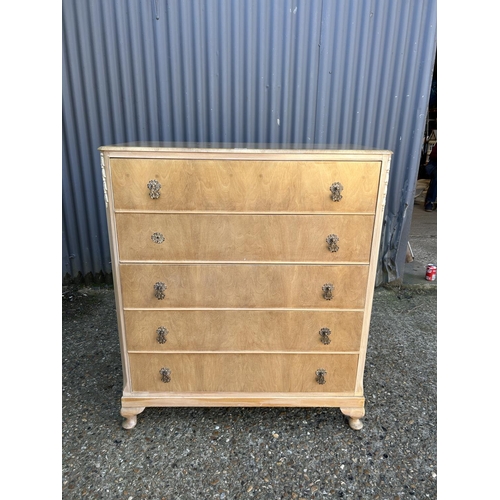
column 423, row 243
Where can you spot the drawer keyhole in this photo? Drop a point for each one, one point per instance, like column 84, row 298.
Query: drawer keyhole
column 336, row 188
column 159, row 288
column 324, row 334
column 158, row 238
column 328, row 291
column 165, row 375
column 332, row 240
column 320, row 376
column 162, row 335
column 154, row 189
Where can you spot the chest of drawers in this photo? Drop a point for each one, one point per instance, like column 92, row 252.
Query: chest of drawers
column 243, row 277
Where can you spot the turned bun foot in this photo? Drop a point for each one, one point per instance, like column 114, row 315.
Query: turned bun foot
column 130, row 422
column 130, row 415
column 354, row 415
column 355, row 423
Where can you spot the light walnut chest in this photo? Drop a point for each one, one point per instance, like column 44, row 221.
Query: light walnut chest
column 243, row 277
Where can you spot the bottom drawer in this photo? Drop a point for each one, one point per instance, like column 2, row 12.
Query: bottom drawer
column 243, row 372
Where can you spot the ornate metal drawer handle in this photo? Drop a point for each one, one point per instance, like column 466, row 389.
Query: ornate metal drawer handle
column 328, row 291
column 154, row 189
column 332, row 240
column 336, row 189
column 320, row 376
column 162, row 332
column 324, row 333
column 158, row 238
column 159, row 289
column 165, row 375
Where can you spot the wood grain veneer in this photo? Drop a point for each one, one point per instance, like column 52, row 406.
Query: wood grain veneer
column 243, row 330
column 243, row 285
column 211, row 237
column 244, row 372
column 229, row 185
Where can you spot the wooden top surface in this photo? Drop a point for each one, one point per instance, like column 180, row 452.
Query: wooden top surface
column 242, row 148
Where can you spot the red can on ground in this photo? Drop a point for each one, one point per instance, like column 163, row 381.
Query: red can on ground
column 430, row 273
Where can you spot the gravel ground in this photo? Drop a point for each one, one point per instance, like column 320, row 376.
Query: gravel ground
column 254, row 453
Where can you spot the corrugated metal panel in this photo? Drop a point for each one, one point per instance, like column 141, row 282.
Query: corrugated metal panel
column 353, row 72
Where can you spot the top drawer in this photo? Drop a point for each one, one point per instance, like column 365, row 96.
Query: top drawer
column 244, row 185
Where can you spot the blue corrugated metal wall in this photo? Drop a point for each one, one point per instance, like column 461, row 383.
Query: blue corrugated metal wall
column 249, row 71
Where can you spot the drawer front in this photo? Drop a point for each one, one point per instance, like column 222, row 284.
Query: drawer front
column 243, row 285
column 209, row 237
column 243, row 372
column 244, row 185
column 226, row 330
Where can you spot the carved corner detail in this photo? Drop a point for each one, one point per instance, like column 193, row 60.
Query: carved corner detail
column 104, row 183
